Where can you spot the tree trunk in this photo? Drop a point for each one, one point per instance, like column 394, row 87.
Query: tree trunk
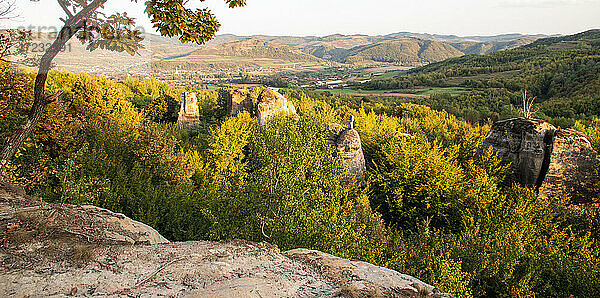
column 72, row 25
column 18, row 138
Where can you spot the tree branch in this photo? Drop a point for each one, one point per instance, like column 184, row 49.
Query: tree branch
column 63, row 5
column 6, row 10
column 52, row 98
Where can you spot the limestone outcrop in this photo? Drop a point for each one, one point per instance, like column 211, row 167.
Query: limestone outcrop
column 349, row 147
column 361, row 279
column 559, row 163
column 189, row 115
column 573, row 168
column 238, row 101
column 263, row 103
column 66, row 250
column 272, row 103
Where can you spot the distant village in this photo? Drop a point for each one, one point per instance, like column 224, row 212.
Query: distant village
column 267, row 77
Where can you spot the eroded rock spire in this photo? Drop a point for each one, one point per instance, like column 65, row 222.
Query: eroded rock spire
column 349, row 148
column 189, row 115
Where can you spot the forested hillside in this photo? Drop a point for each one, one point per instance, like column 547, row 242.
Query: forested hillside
column 486, row 47
column 562, row 73
column 256, row 48
column 235, row 51
column 245, row 54
column 432, row 207
column 402, row 51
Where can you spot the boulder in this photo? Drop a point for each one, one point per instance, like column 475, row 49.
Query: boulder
column 361, row 279
column 239, row 100
column 68, row 250
column 349, row 148
column 524, row 144
column 572, row 171
column 272, row 103
column 189, row 115
column 260, row 102
column 559, row 163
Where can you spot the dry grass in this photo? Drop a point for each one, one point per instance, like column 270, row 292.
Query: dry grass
column 528, row 110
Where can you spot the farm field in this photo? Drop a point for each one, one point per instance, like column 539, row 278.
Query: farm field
column 433, row 90
column 386, row 93
column 419, row 92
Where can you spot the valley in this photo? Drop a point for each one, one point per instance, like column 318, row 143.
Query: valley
column 228, row 59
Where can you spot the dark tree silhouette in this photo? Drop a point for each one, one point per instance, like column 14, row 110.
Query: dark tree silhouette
column 7, row 9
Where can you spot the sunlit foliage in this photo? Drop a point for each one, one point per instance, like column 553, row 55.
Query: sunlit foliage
column 433, row 207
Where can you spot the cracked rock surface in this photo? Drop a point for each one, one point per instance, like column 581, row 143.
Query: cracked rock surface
column 66, row 250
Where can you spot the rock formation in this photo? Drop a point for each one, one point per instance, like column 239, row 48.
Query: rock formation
column 559, row 163
column 240, row 100
column 189, row 115
column 272, row 103
column 66, row 250
column 348, row 146
column 88, row 222
column 361, row 279
column 263, row 103
column 572, row 168
column 524, row 143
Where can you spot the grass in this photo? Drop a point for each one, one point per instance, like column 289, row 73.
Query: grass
column 433, row 90
column 389, row 75
column 421, row 91
column 340, row 91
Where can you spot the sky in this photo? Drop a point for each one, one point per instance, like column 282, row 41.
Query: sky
column 373, row 17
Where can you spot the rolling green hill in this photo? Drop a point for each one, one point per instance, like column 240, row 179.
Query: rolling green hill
column 337, row 47
column 587, row 39
column 340, row 47
column 563, row 73
column 248, row 54
column 404, row 50
column 486, row 47
column 230, row 51
column 257, row 48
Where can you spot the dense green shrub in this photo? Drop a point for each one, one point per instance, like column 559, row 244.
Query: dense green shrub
column 516, row 247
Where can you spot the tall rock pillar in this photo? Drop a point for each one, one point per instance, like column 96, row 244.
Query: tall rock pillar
column 189, row 115
column 349, row 148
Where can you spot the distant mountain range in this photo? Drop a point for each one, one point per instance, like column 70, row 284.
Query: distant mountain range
column 229, row 51
column 402, row 45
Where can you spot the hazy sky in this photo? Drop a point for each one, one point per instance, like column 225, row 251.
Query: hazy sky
column 324, row 17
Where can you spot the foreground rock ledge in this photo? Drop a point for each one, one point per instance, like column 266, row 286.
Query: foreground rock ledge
column 62, row 250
